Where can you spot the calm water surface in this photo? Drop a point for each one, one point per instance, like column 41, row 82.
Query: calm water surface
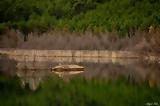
column 33, row 72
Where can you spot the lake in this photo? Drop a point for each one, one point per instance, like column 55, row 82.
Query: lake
column 104, row 80
column 135, row 70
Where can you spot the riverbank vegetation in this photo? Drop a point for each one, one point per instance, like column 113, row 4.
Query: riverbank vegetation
column 78, row 91
column 79, row 15
column 80, row 24
column 142, row 41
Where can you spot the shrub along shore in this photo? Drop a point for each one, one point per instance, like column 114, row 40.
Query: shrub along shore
column 141, row 42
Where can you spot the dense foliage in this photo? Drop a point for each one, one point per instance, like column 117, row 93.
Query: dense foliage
column 79, row 15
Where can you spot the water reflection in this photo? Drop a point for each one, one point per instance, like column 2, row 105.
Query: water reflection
column 32, row 73
column 32, row 78
column 137, row 72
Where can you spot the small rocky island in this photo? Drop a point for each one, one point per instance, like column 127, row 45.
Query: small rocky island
column 67, row 69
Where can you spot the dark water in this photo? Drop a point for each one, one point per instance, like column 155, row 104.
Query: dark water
column 34, row 72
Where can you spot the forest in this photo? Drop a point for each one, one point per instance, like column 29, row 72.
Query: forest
column 79, row 15
column 64, row 24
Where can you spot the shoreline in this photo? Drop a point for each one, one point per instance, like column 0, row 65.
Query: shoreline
column 35, row 54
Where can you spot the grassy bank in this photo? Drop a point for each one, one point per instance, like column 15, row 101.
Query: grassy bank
column 78, row 91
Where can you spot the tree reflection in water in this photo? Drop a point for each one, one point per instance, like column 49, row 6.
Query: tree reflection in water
column 32, row 73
